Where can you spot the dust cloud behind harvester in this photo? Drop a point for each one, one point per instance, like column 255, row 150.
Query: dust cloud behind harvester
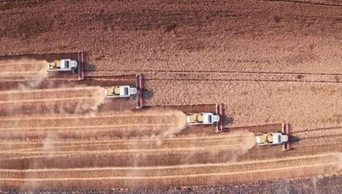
column 50, row 101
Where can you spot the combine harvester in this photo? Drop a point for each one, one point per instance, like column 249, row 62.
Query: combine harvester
column 69, row 65
column 277, row 138
column 126, row 91
column 207, row 118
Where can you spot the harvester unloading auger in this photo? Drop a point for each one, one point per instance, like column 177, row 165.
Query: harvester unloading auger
column 126, row 91
column 69, row 65
column 208, row 118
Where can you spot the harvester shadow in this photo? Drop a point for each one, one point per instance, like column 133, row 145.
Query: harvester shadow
column 89, row 67
column 294, row 139
column 147, row 94
column 226, row 121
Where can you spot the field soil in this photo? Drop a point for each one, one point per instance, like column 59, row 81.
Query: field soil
column 124, row 124
column 269, row 62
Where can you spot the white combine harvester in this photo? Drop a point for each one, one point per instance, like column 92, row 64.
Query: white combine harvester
column 207, row 118
column 63, row 65
column 275, row 138
column 126, row 91
column 69, row 65
column 120, row 92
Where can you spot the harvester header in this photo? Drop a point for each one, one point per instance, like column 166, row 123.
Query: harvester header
column 140, row 88
column 220, row 113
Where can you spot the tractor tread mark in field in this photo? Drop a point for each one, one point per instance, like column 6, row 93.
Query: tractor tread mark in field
column 240, row 76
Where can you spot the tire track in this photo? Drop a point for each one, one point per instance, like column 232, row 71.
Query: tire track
column 240, row 76
column 135, row 141
column 319, row 136
column 317, row 129
column 310, row 2
column 216, row 71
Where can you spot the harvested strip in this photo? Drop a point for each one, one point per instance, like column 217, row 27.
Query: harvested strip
column 161, row 122
column 36, row 94
column 6, row 144
column 152, row 143
column 183, row 169
column 152, row 152
column 206, row 174
column 90, row 120
column 61, row 100
column 79, row 128
column 75, row 105
column 23, row 68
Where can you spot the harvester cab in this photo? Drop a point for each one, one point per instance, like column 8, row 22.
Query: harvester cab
column 68, row 64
